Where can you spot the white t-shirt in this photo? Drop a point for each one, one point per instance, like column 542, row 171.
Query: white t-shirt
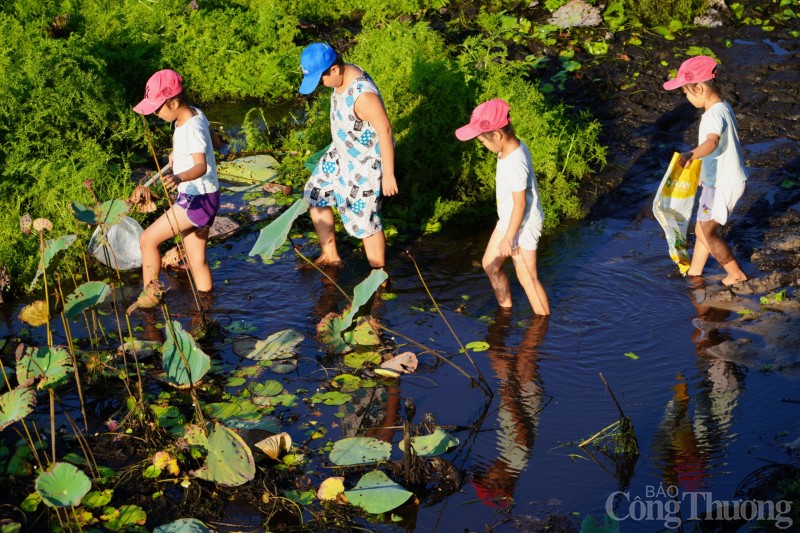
column 515, row 173
column 194, row 137
column 725, row 165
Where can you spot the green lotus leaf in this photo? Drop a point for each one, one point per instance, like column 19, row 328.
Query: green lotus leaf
column 330, row 331
column 364, row 334
column 376, row 493
column 86, row 296
column 97, row 498
column 229, row 461
column 63, row 485
column 305, row 497
column 358, row 359
column 347, row 382
column 478, row 346
column 283, row 366
column 331, row 398
column 267, row 423
column 51, row 365
column 268, row 388
column 181, row 342
column 112, row 211
column 184, row 525
column 271, row 237
column 15, row 405
column 84, row 214
column 276, row 346
column 359, row 451
column 431, row 445
column 236, row 408
column 362, row 294
column 124, row 517
column 168, row 415
column 248, row 169
column 51, row 249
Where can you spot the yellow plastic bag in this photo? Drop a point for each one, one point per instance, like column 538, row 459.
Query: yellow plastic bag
column 673, row 207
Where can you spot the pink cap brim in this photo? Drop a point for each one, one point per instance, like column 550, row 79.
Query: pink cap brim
column 148, row 107
column 674, row 84
column 465, row 133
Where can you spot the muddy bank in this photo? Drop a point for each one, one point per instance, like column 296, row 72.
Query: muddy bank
column 644, row 125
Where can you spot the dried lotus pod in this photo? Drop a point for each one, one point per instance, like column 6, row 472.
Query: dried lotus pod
column 172, row 259
column 150, row 297
column 142, row 199
column 41, row 224
column 25, row 223
column 276, row 445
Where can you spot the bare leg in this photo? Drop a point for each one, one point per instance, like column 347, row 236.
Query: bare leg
column 194, row 242
column 375, row 248
column 166, row 227
column 525, row 265
column 493, row 266
column 699, row 254
column 719, row 249
column 322, row 217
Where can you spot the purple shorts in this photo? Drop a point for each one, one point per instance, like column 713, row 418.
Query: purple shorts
column 200, row 208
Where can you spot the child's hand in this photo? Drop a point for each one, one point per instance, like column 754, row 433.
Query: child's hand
column 686, row 159
column 388, row 185
column 507, row 248
column 172, row 181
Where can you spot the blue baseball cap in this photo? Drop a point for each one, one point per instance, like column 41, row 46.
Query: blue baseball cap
column 315, row 59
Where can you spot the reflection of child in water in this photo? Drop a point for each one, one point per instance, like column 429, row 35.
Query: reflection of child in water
column 520, row 401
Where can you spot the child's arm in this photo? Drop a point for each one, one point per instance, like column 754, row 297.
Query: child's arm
column 199, row 169
column 369, row 107
column 506, row 248
column 705, row 148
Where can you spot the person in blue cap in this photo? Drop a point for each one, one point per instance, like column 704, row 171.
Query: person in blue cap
column 358, row 168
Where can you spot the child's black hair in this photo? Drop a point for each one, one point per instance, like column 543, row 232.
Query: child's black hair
column 712, row 84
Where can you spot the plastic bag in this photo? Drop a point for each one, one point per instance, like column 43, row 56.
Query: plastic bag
column 121, row 243
column 673, row 207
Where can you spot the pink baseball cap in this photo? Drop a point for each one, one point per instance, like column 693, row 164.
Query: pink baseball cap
column 693, row 70
column 161, row 86
column 489, row 116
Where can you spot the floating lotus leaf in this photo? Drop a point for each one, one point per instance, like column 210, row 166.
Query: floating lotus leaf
column 276, row 346
column 268, row 388
column 403, row 363
column 63, row 485
column 331, row 488
column 301, row 497
column 248, row 169
column 229, row 461
column 347, row 382
column 376, row 493
column 15, row 405
column 51, row 249
column 284, row 366
column 358, row 359
column 168, row 415
column 431, row 445
column 478, row 346
column 51, row 365
column 267, row 423
column 86, row 296
column 180, row 342
column 331, row 334
column 275, row 445
column 362, row 294
column 124, row 517
column 195, row 435
column 359, row 451
column 271, row 237
column 184, row 525
column 35, row 314
column 238, row 407
column 365, row 333
column 331, row 398
column 97, row 498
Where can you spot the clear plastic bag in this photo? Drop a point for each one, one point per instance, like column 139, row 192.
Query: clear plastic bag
column 121, row 243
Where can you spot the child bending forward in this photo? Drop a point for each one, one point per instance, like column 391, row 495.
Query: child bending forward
column 519, row 208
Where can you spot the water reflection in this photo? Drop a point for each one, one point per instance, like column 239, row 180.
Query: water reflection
column 520, row 396
column 694, row 431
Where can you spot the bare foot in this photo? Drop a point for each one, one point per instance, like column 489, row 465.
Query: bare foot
column 690, row 273
column 328, row 260
column 730, row 280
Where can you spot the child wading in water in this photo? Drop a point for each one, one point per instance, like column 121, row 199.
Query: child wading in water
column 194, row 175
column 358, row 168
column 519, row 208
column 722, row 171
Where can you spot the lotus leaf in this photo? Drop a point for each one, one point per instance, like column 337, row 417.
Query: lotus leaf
column 97, row 498
column 229, row 461
column 35, row 314
column 277, row 346
column 331, row 398
column 330, row 333
column 30, row 503
column 184, row 525
column 86, row 296
column 195, row 435
column 362, row 294
column 180, row 342
column 376, row 493
column 403, row 363
column 63, row 485
column 284, row 366
column 347, row 382
column 168, row 415
column 268, row 388
column 365, row 333
column 478, row 346
column 15, row 405
column 238, row 407
column 163, row 460
column 305, row 497
column 52, row 247
column 431, row 445
column 50, row 364
column 359, row 451
column 330, row 489
column 124, row 517
column 275, row 234
column 275, row 445
column 267, row 423
column 359, row 359
column 248, row 169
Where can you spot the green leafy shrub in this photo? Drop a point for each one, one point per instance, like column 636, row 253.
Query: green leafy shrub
column 654, row 12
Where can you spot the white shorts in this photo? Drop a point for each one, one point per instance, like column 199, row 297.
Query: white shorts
column 717, row 203
column 528, row 235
